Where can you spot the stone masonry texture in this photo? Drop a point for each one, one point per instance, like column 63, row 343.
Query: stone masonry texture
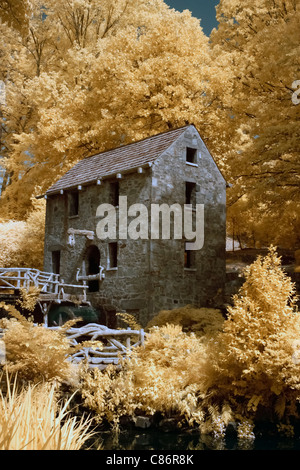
column 150, row 275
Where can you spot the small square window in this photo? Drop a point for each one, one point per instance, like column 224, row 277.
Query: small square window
column 113, row 255
column 191, row 155
column 73, row 203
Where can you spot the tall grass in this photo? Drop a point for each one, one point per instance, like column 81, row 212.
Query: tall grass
column 33, row 419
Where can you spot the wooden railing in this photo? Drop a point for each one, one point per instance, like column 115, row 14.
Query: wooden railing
column 18, row 278
column 48, row 283
column 116, row 344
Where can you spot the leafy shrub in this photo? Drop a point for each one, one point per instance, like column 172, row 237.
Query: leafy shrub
column 253, row 358
column 161, row 377
column 22, row 242
column 33, row 352
column 246, row 371
column 201, row 321
column 129, row 320
column 109, row 394
column 10, row 242
column 28, row 298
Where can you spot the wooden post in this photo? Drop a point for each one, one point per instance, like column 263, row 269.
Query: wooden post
column 142, row 337
column 19, row 279
column 56, row 283
column 84, row 290
column 128, row 340
column 45, row 310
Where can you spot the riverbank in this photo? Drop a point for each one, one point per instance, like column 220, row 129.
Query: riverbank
column 196, row 372
column 150, row 440
column 154, row 438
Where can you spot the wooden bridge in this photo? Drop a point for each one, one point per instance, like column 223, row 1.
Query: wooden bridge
column 116, row 344
column 12, row 279
column 52, row 289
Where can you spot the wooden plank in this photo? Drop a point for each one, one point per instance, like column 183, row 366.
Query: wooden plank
column 118, row 344
column 100, row 353
column 104, row 360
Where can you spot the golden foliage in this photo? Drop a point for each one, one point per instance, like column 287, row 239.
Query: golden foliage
column 159, row 377
column 247, row 370
column 15, row 13
column 129, row 320
column 36, row 353
column 28, row 298
column 22, row 242
column 33, row 419
column 108, row 394
column 239, row 369
column 201, row 321
column 253, row 357
column 10, row 242
column 260, row 41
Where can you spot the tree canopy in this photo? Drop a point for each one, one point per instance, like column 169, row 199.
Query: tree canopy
column 83, row 76
column 93, row 75
column 262, row 38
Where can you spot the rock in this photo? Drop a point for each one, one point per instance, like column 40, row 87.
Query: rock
column 168, row 424
column 142, row 422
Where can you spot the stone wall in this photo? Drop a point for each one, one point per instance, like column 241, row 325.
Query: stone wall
column 124, row 287
column 150, row 275
column 173, row 285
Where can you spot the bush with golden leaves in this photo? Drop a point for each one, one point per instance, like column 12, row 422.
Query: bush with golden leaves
column 254, row 363
column 201, row 321
column 22, row 241
column 163, row 376
column 247, row 371
column 34, row 352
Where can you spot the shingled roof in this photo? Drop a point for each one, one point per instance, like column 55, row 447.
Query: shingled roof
column 119, row 160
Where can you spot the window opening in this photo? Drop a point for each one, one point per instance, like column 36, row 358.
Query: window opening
column 73, row 203
column 189, row 259
column 113, row 255
column 191, row 155
column 114, row 193
column 93, row 267
column 190, row 193
column 56, row 262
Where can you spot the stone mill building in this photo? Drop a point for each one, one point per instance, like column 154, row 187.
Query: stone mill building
column 140, row 271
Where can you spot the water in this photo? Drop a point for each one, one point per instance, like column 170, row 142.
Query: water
column 138, row 440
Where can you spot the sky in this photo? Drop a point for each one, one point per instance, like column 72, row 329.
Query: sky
column 202, row 9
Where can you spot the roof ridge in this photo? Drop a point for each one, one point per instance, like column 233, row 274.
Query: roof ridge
column 118, row 160
column 137, row 141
